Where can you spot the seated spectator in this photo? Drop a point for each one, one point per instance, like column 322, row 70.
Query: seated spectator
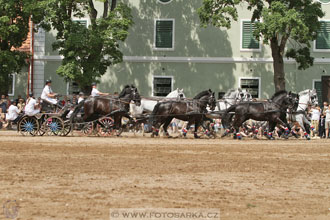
column 3, row 104
column 12, row 115
column 20, row 104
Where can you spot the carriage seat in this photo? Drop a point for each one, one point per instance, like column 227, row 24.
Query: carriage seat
column 47, row 107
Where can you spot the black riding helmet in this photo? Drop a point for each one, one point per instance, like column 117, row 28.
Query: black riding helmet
column 93, row 84
column 48, row 81
column 31, row 94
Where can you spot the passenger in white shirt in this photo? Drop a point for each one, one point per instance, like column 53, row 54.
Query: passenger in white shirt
column 12, row 114
column 96, row 92
column 31, row 107
column 12, row 111
column 81, row 97
column 47, row 93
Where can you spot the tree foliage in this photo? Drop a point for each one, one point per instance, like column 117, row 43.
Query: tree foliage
column 280, row 22
column 14, row 28
column 88, row 50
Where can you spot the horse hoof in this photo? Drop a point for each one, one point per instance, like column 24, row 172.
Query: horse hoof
column 195, row 136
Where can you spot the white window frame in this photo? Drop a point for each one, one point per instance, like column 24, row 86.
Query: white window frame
column 173, row 35
column 314, row 43
column 156, row 76
column 164, row 3
column 241, row 40
column 12, row 93
column 259, row 84
column 323, row 3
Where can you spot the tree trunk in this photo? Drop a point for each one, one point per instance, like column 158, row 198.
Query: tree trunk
column 278, row 64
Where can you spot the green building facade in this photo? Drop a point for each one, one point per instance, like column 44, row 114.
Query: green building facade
column 168, row 49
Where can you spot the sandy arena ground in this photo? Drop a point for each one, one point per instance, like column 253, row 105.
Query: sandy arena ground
column 83, row 177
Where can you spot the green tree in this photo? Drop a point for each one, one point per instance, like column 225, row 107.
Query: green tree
column 295, row 21
column 14, row 28
column 88, row 50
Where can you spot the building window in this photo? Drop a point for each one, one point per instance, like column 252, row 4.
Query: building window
column 162, row 85
column 248, row 41
column 324, row 1
column 164, row 1
column 164, row 34
column 72, row 88
column 322, row 41
column 251, row 85
column 11, row 89
column 317, row 85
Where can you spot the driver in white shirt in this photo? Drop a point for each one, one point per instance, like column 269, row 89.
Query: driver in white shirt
column 96, row 92
column 48, row 95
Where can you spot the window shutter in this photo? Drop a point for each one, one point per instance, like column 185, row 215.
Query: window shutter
column 164, row 34
column 323, row 36
column 248, row 40
column 318, row 88
column 81, row 22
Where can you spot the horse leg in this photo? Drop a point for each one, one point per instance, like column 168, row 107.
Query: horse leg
column 167, row 122
column 238, row 121
column 271, row 130
column 197, row 124
column 185, row 130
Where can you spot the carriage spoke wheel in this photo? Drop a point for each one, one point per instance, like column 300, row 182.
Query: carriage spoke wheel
column 66, row 129
column 106, row 127
column 28, row 126
column 41, row 130
column 87, row 129
column 54, row 125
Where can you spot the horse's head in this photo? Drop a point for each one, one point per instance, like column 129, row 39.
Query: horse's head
column 130, row 93
column 292, row 100
column 313, row 98
column 135, row 96
column 247, row 96
column 178, row 94
column 205, row 98
column 212, row 101
column 181, row 94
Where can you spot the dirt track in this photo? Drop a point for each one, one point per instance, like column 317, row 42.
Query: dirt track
column 82, row 177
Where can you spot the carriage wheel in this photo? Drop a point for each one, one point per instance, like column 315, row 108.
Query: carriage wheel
column 28, row 126
column 106, row 127
column 87, row 129
column 54, row 125
column 66, row 129
column 42, row 129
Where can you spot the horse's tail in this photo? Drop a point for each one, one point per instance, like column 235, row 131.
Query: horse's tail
column 227, row 117
column 153, row 116
column 77, row 109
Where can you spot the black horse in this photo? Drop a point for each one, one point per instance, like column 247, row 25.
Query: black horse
column 192, row 111
column 112, row 106
column 273, row 111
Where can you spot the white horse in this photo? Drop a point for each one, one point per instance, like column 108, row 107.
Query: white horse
column 306, row 97
column 148, row 104
column 232, row 97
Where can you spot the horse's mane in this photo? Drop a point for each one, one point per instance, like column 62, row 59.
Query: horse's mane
column 123, row 92
column 279, row 93
column 231, row 91
column 201, row 94
column 304, row 92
